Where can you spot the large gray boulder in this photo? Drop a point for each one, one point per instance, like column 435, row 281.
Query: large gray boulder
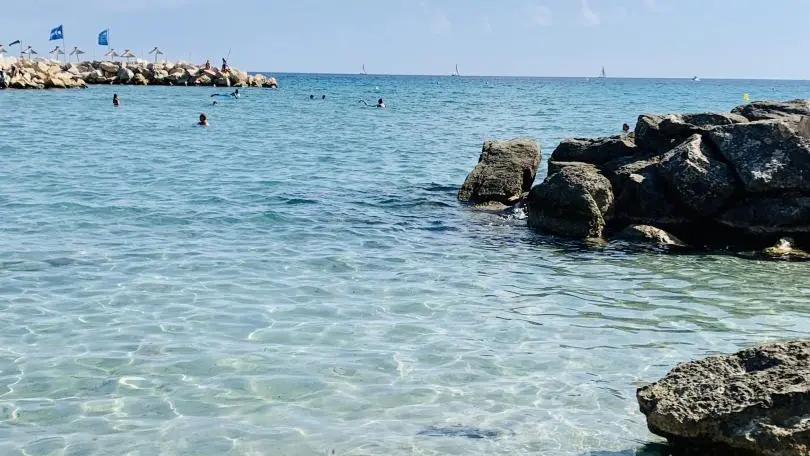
column 700, row 182
column 660, row 133
column 505, row 170
column 595, row 151
column 769, row 156
column 574, row 202
column 778, row 215
column 125, row 75
column 755, row 402
column 768, row 110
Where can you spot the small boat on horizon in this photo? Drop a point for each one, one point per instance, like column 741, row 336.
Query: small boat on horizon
column 456, row 73
column 363, row 69
column 696, row 79
column 603, row 74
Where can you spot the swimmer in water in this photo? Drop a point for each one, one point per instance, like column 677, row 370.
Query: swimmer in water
column 311, row 97
column 115, row 100
column 626, row 129
column 380, row 103
column 323, row 97
column 203, row 120
column 235, row 93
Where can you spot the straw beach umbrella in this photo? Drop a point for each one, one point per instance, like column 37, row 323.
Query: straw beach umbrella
column 57, row 51
column 77, row 52
column 111, row 53
column 157, row 52
column 128, row 54
column 29, row 51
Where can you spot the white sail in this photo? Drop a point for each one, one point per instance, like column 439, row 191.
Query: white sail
column 603, row 75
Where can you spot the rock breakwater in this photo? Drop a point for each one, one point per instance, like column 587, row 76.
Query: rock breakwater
column 738, row 180
column 46, row 74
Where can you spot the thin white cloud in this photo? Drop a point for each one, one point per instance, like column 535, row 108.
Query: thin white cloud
column 438, row 21
column 142, row 5
column 656, row 6
column 589, row 16
column 486, row 25
column 541, row 16
column 440, row 24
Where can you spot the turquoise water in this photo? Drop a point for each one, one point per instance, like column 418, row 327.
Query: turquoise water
column 299, row 278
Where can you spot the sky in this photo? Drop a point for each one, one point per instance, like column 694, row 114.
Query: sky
column 630, row 38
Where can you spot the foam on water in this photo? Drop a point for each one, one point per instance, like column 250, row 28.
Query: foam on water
column 298, row 277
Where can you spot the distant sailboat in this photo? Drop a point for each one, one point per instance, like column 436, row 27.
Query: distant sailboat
column 696, row 79
column 456, row 74
column 603, row 74
column 363, row 70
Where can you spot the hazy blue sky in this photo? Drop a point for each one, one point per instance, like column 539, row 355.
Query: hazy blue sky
column 659, row 38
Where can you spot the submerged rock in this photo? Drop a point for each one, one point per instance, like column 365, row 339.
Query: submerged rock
column 462, row 431
column 755, row 401
column 784, row 250
column 649, row 235
column 573, row 202
column 505, row 170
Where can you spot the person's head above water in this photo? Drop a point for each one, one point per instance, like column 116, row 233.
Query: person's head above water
column 625, row 128
column 323, row 97
column 203, row 119
column 311, row 97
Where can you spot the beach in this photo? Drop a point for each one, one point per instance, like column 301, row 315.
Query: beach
column 300, row 278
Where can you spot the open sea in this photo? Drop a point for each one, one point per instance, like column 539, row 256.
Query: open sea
column 299, row 279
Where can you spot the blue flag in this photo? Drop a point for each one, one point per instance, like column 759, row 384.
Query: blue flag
column 57, row 34
column 14, row 42
column 103, row 38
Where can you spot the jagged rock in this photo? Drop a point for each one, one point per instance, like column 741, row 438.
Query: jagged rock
column 644, row 200
column 223, row 81
column 557, row 166
column 505, row 170
column 140, row 79
column 645, row 234
column 574, row 202
column 755, row 402
column 767, row 110
column 109, row 67
column 658, row 134
column 204, row 80
column 125, row 75
column 768, row 156
column 619, row 171
column 702, row 183
column 778, row 215
column 271, row 83
column 595, row 151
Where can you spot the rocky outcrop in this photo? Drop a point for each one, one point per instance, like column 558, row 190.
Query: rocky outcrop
column 712, row 179
column 574, row 202
column 505, row 170
column 754, row 402
column 51, row 74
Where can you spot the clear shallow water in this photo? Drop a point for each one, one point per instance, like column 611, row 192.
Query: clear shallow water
column 299, row 278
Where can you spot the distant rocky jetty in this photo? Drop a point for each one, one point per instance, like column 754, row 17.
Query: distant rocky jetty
column 45, row 74
column 755, row 402
column 735, row 180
